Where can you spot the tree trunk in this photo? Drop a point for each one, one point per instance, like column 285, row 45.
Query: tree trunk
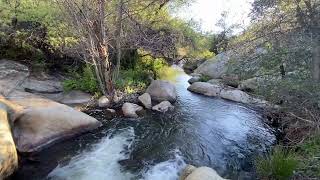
column 118, row 37
column 102, row 46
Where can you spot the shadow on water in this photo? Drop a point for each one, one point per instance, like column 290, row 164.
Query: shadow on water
column 201, row 131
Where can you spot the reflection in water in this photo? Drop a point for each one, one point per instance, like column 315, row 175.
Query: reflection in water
column 201, row 131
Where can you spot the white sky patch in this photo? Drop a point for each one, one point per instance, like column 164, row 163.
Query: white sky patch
column 208, row 12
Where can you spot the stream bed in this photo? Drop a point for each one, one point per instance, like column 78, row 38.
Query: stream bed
column 201, row 131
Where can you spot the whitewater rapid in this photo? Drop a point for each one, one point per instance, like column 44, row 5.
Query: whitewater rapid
column 100, row 162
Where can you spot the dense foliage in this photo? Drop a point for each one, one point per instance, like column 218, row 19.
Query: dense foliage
column 38, row 32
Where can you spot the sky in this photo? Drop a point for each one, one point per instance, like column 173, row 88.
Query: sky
column 208, row 12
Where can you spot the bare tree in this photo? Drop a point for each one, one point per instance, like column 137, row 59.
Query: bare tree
column 99, row 32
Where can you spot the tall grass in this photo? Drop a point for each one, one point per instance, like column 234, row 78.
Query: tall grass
column 280, row 164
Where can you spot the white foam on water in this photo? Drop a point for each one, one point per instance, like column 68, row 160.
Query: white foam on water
column 100, row 163
column 167, row 170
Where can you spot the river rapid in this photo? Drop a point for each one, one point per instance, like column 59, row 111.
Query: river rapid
column 201, row 131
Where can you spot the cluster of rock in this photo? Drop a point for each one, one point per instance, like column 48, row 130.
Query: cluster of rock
column 201, row 173
column 162, row 93
column 33, row 114
column 225, row 86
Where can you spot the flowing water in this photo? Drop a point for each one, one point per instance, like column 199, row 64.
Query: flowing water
column 202, row 131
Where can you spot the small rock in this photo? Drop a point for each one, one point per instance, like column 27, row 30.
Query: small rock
column 111, row 111
column 103, row 102
column 145, row 99
column 130, row 110
column 163, row 107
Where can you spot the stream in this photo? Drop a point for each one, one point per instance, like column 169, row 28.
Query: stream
column 202, row 131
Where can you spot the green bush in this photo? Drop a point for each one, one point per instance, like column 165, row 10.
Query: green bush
column 132, row 80
column 85, row 81
column 279, row 164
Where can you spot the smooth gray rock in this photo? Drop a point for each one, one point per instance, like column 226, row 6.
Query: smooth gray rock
column 48, row 86
column 145, row 99
column 161, row 90
column 163, row 107
column 104, row 102
column 194, row 79
column 41, row 122
column 236, row 95
column 130, row 110
column 205, row 88
column 111, row 111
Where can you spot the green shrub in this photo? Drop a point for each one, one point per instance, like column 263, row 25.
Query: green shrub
column 85, row 81
column 132, row 80
column 279, row 164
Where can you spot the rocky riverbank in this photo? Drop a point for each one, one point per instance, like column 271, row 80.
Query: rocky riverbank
column 36, row 120
column 211, row 78
column 41, row 113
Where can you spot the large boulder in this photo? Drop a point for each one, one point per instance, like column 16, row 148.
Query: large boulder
column 145, row 99
column 8, row 153
column 130, row 110
column 215, row 67
column 205, row 88
column 204, row 173
column 41, row 122
column 160, row 90
column 163, row 107
column 12, row 75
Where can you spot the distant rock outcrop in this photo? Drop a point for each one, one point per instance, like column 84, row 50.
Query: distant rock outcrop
column 215, row 67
